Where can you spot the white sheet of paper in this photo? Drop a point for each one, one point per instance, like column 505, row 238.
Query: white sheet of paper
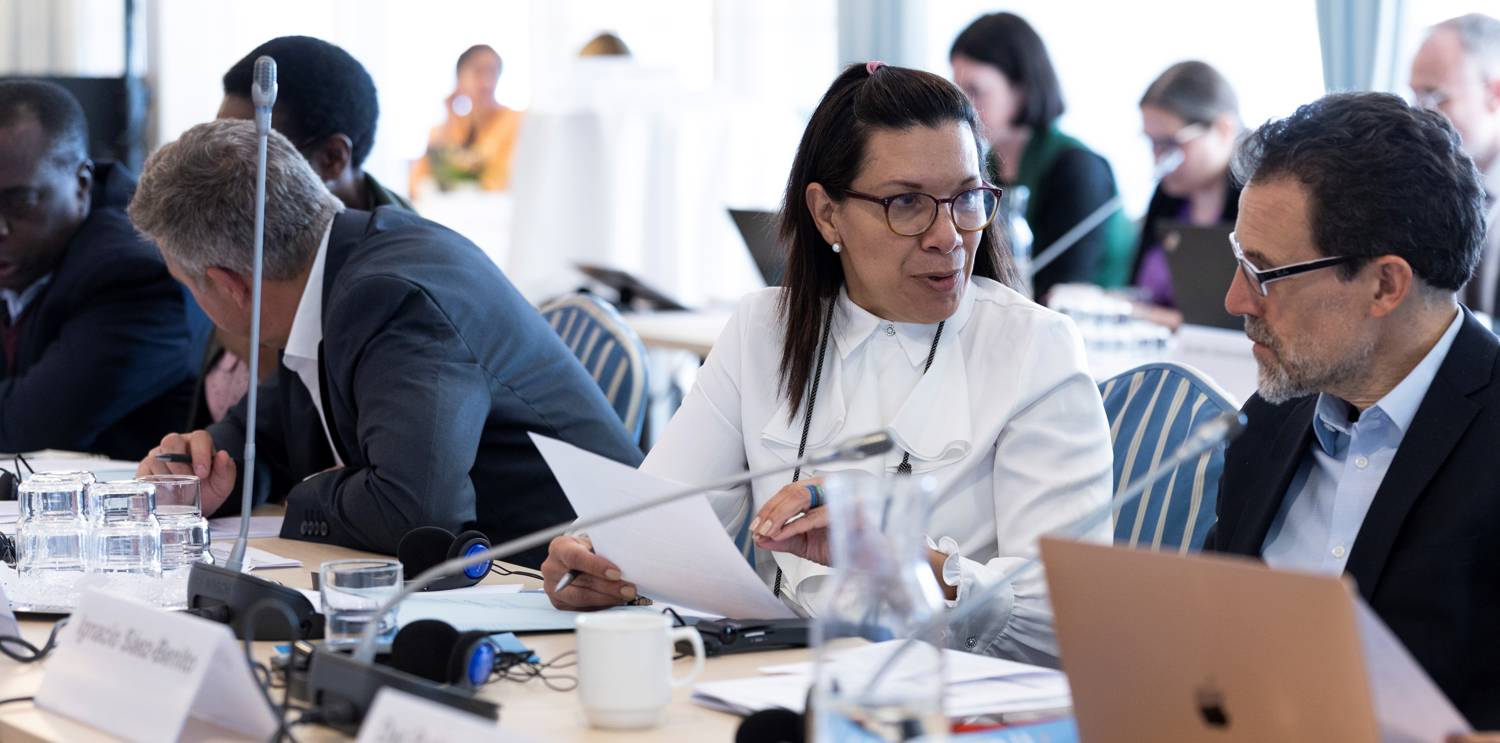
column 677, row 553
column 139, row 672
column 959, row 667
column 228, row 527
column 1408, row 705
column 500, row 607
column 398, row 717
column 52, row 460
column 255, row 558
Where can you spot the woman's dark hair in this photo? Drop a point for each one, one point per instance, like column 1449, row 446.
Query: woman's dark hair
column 832, row 154
column 1009, row 43
column 1194, row 92
column 1383, row 178
column 473, row 52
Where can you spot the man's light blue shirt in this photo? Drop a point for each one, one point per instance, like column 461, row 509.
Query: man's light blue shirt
column 1328, row 498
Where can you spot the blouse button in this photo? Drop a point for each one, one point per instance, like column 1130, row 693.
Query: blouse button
column 890, row 329
column 971, row 642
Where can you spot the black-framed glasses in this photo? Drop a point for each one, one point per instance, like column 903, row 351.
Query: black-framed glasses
column 912, row 214
column 1261, row 279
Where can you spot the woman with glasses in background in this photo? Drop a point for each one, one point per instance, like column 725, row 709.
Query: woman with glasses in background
column 897, row 312
column 1192, row 119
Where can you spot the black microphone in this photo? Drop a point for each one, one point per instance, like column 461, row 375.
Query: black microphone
column 224, row 593
column 351, row 681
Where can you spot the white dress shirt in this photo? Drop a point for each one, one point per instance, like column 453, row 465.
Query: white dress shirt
column 301, row 353
column 1007, row 421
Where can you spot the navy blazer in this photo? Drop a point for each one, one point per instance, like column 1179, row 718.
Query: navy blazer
column 109, row 351
column 433, row 371
column 1427, row 557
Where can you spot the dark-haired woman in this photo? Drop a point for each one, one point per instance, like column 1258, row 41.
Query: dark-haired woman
column 476, row 142
column 1192, row 118
column 897, row 312
column 1002, row 65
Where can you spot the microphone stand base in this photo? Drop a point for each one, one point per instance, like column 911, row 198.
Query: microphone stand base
column 227, row 595
column 342, row 690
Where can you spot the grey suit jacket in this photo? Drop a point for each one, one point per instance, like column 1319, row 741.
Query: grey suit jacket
column 433, row 371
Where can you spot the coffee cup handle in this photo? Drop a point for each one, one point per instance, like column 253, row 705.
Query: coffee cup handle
column 692, row 637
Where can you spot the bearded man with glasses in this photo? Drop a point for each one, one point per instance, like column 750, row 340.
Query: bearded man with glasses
column 1370, row 449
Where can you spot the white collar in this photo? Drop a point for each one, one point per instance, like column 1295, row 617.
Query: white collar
column 853, row 325
column 17, row 301
column 307, row 325
column 929, row 437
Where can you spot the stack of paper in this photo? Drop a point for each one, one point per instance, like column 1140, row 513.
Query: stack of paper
column 976, row 685
column 228, row 527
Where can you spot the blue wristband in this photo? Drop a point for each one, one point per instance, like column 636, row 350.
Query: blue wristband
column 816, row 494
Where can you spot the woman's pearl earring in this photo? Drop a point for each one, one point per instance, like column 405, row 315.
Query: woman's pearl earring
column 836, row 247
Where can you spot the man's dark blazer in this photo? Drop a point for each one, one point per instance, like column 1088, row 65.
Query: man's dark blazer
column 1427, row 558
column 108, row 353
column 433, row 371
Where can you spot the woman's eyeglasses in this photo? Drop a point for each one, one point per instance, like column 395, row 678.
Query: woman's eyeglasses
column 912, row 214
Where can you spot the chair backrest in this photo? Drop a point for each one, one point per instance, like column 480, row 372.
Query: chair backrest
column 608, row 349
column 1151, row 410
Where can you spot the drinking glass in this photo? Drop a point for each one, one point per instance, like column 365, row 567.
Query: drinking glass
column 184, row 531
column 352, row 589
column 50, row 531
column 124, row 535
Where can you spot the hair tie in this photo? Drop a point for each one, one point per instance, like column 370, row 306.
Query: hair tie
column 872, row 66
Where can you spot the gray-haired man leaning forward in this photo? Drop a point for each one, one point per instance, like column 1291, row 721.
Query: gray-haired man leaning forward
column 411, row 371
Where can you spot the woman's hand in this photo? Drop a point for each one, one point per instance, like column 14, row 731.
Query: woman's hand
column 806, row 537
column 598, row 585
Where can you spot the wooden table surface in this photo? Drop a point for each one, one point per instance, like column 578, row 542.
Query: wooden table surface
column 530, row 709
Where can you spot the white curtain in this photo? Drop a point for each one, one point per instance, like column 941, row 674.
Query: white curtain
column 1359, row 39
column 887, row 30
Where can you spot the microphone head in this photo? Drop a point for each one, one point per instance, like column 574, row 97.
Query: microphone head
column 862, row 447
column 263, row 85
column 1221, row 429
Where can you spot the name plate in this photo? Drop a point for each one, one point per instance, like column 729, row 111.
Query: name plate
column 398, row 717
column 139, row 672
column 8, row 626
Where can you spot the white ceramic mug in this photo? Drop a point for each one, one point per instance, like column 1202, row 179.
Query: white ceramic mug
column 625, row 676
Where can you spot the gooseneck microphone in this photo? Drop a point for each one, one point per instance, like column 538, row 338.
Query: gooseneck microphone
column 224, row 593
column 1214, row 432
column 344, row 686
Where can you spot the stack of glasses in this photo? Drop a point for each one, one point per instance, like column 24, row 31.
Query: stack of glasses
column 70, row 523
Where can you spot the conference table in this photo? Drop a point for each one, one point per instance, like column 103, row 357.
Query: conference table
column 529, row 711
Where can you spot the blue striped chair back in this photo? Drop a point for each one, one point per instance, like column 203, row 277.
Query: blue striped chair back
column 1151, row 410
column 608, row 349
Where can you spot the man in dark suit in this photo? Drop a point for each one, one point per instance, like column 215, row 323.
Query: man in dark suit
column 100, row 345
column 1371, row 446
column 423, row 368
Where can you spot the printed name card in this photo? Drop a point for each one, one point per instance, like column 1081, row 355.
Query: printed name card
column 139, row 672
column 399, row 717
column 8, row 626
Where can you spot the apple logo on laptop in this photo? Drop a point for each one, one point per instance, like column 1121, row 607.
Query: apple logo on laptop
column 1211, row 706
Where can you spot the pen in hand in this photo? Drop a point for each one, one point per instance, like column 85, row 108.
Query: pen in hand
column 175, row 458
column 566, row 581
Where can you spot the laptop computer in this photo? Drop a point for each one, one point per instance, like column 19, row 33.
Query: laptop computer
column 1202, row 267
column 1164, row 647
column 759, row 230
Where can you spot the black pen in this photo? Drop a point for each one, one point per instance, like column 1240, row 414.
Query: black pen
column 175, row 458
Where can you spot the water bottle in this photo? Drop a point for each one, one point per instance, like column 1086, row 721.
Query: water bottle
column 883, row 591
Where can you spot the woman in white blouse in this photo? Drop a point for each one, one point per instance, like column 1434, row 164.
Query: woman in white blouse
column 896, row 313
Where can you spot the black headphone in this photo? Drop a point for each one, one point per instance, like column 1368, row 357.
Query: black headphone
column 426, row 546
column 434, row 650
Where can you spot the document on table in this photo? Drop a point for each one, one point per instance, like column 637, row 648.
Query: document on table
column 677, row 553
column 976, row 684
column 500, row 607
column 255, row 558
column 228, row 527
